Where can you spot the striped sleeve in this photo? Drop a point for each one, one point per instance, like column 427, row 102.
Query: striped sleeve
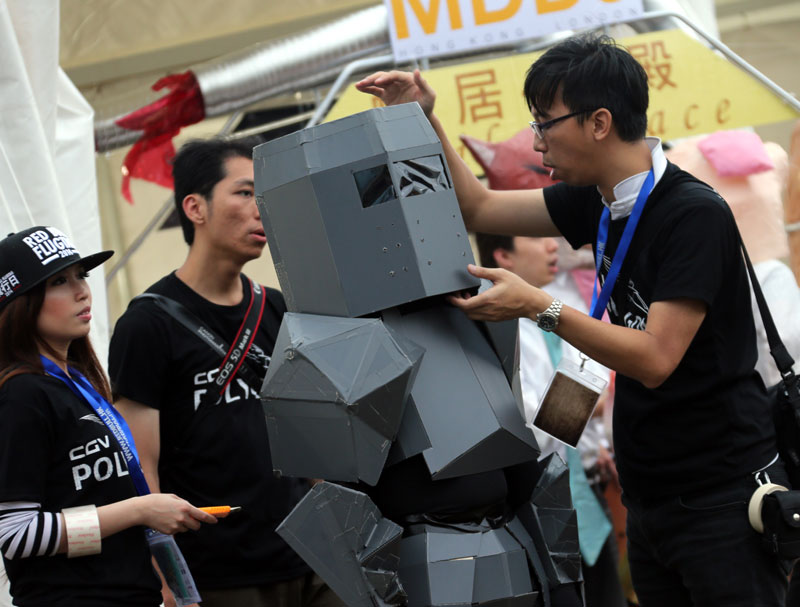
column 26, row 531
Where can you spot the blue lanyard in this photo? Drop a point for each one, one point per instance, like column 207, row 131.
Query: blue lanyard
column 115, row 423
column 163, row 547
column 599, row 303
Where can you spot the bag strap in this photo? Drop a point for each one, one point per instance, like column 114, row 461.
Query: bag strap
column 777, row 349
column 780, row 354
column 233, row 356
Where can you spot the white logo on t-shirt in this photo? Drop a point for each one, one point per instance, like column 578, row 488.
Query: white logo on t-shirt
column 638, row 320
column 91, row 417
column 237, row 389
column 101, row 461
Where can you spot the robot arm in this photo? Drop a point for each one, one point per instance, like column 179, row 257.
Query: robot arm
column 342, row 536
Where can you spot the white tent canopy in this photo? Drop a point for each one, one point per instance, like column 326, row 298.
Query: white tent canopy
column 115, row 51
column 47, row 174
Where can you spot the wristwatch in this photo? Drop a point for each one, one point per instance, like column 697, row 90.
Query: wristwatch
column 548, row 320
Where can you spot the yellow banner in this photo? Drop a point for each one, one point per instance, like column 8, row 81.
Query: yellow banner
column 693, row 90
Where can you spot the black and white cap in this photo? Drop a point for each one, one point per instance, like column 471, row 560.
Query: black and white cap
column 31, row 256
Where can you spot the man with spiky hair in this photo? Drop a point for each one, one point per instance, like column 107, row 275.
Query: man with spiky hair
column 196, row 434
column 692, row 427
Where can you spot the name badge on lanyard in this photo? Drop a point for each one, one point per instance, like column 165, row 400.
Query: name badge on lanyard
column 569, row 401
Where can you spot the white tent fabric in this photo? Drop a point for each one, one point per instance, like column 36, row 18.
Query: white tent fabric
column 47, row 165
column 47, row 171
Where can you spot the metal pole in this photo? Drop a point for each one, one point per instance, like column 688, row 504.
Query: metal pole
column 360, row 64
column 263, row 128
column 153, row 224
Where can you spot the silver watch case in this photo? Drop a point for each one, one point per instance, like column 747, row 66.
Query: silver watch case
column 548, row 320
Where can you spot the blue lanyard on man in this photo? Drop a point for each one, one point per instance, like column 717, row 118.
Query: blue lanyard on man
column 593, row 524
column 163, row 547
column 599, row 302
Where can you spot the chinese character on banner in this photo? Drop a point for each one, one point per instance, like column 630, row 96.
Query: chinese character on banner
column 656, row 61
column 479, row 94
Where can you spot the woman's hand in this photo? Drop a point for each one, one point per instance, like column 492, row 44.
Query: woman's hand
column 169, row 513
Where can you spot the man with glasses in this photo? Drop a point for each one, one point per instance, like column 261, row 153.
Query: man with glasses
column 540, row 127
column 692, row 426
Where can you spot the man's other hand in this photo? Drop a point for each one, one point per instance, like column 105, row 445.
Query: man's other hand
column 509, row 297
column 396, row 87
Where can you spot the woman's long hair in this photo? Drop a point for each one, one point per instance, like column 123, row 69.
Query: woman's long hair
column 20, row 343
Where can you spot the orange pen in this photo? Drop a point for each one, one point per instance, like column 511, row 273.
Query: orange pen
column 220, row 511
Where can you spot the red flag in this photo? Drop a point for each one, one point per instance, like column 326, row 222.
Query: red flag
column 151, row 156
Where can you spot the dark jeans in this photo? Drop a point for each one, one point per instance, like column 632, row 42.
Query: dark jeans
column 306, row 591
column 701, row 550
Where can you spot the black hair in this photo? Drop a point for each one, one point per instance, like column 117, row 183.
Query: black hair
column 488, row 244
column 591, row 71
column 200, row 165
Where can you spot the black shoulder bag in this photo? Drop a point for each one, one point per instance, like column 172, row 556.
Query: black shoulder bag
column 780, row 509
column 233, row 356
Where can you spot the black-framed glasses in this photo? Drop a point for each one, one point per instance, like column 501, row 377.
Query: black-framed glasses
column 540, row 127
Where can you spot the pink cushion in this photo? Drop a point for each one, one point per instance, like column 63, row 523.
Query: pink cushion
column 756, row 200
column 735, row 153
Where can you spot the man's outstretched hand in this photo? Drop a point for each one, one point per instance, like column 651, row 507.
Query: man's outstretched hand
column 510, row 297
column 397, row 87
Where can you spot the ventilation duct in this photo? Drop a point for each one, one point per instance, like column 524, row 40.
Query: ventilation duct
column 315, row 57
column 234, row 81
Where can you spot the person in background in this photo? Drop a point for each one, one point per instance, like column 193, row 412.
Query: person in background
column 66, row 488
column 536, row 261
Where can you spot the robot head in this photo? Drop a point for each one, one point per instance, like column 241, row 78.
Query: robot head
column 361, row 215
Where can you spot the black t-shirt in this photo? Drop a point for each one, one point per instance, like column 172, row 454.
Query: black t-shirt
column 219, row 454
column 709, row 422
column 55, row 451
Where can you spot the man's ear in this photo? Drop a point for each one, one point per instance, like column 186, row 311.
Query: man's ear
column 196, row 208
column 602, row 123
column 504, row 259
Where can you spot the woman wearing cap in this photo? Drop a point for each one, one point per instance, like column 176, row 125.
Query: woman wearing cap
column 66, row 488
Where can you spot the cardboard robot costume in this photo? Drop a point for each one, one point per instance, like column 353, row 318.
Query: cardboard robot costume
column 374, row 373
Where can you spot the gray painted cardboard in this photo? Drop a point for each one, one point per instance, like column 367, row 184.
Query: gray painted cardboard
column 361, row 219
column 337, row 257
column 553, row 524
column 441, row 566
column 411, row 438
column 342, row 536
column 518, row 530
column 334, row 396
column 504, row 337
column 471, row 418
